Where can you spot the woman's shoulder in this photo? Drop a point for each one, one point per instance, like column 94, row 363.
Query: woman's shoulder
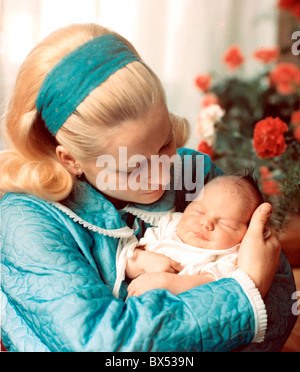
column 185, row 151
column 33, row 224
column 15, row 201
column 197, row 159
column 26, row 209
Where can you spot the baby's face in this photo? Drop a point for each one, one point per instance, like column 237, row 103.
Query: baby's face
column 218, row 221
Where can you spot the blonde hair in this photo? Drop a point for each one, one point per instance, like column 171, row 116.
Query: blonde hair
column 31, row 165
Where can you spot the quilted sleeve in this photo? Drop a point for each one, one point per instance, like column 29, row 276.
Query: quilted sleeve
column 63, row 304
column 279, row 304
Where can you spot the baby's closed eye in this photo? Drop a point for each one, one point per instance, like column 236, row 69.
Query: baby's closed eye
column 228, row 224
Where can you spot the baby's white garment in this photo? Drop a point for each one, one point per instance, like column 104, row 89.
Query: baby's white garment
column 195, row 261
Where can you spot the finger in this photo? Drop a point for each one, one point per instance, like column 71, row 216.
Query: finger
column 267, row 233
column 130, row 292
column 274, row 243
column 260, row 218
column 131, row 286
column 177, row 266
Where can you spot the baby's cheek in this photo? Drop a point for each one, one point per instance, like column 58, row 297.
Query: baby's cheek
column 225, row 240
column 186, row 223
column 179, row 226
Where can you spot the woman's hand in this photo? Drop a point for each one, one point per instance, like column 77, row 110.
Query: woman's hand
column 259, row 257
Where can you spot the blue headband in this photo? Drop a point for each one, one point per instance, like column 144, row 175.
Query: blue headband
column 77, row 75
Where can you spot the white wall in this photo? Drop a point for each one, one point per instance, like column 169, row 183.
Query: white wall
column 177, row 38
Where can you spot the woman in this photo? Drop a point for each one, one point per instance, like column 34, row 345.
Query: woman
column 80, row 95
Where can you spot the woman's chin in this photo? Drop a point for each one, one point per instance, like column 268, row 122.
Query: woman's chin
column 149, row 197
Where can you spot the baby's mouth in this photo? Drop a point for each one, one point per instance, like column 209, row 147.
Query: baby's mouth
column 201, row 236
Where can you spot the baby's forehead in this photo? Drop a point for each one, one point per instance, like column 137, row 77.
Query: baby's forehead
column 236, row 187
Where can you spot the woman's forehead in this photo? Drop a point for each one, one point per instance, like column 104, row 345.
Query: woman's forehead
column 143, row 136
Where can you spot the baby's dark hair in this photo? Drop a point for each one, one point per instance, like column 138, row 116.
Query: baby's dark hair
column 249, row 178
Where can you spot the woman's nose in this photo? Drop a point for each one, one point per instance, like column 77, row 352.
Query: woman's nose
column 159, row 175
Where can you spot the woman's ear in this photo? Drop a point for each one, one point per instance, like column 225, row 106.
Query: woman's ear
column 68, row 161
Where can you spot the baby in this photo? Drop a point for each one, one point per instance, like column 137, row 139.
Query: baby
column 200, row 245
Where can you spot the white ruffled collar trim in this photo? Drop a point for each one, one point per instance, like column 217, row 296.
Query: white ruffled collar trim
column 123, row 232
column 152, row 218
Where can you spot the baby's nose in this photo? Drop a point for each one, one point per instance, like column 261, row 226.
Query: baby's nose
column 207, row 225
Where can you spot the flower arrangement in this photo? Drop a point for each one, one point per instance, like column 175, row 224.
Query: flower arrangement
column 255, row 123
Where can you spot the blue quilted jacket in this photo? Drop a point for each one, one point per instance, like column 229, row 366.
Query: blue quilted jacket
column 58, row 270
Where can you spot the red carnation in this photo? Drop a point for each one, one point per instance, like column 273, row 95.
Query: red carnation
column 296, row 11
column 286, row 77
column 267, row 55
column 296, row 118
column 287, row 4
column 210, row 99
column 203, row 82
column 292, row 6
column 204, row 148
column 297, row 133
column 268, row 140
column 269, row 185
column 265, row 172
column 233, row 58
